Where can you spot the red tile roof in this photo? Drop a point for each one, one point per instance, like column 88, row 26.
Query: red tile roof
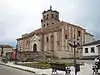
column 37, row 32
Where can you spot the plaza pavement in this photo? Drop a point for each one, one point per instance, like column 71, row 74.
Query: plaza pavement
column 85, row 69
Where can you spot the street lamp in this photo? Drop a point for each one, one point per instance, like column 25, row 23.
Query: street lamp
column 16, row 54
column 2, row 52
column 74, row 47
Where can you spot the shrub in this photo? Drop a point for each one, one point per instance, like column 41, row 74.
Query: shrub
column 43, row 65
column 38, row 65
column 69, row 64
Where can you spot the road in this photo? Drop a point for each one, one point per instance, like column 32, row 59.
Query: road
column 4, row 70
column 85, row 70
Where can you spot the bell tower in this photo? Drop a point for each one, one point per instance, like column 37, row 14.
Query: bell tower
column 49, row 17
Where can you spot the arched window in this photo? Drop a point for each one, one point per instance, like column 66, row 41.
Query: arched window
column 47, row 16
column 44, row 25
column 52, row 16
column 56, row 16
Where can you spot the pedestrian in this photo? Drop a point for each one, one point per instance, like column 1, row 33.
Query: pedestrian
column 14, row 57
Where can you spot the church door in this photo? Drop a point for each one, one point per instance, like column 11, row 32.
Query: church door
column 34, row 47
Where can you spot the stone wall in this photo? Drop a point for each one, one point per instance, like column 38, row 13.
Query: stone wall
column 30, row 56
column 9, row 56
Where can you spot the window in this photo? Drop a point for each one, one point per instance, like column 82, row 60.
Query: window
column 47, row 17
column 47, row 14
column 58, row 43
column 52, row 36
column 47, row 39
column 52, row 16
column 66, row 36
column 56, row 15
column 47, row 24
column 86, row 50
column 92, row 49
column 79, row 33
column 44, row 25
column 27, row 42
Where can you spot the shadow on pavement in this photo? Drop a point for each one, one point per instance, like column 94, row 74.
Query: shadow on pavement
column 57, row 74
column 98, row 73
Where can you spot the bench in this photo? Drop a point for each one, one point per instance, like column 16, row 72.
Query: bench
column 59, row 66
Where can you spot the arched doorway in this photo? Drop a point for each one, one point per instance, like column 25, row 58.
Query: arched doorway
column 34, row 47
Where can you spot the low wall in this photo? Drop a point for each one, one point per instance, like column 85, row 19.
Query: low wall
column 30, row 56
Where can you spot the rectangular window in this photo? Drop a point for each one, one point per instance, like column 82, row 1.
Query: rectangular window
column 58, row 43
column 47, row 39
column 92, row 49
column 66, row 36
column 86, row 50
column 79, row 33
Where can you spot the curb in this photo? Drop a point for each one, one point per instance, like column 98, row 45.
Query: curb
column 17, row 68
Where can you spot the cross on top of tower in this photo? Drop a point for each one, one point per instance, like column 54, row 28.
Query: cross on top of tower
column 50, row 7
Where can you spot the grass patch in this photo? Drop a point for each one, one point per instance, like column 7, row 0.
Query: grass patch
column 38, row 65
column 69, row 64
column 43, row 65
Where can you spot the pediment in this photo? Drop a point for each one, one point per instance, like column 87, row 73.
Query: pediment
column 35, row 38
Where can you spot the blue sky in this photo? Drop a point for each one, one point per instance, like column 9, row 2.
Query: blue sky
column 18, row 17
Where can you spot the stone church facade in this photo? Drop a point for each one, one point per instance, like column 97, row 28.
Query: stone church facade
column 53, row 37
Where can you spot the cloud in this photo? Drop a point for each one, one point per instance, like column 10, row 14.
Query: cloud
column 84, row 13
column 21, row 16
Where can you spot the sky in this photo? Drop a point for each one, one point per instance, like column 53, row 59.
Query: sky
column 18, row 17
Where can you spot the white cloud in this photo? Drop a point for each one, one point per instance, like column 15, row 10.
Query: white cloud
column 20, row 16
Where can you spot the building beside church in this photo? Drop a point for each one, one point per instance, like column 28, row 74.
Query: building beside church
column 53, row 37
column 89, row 38
column 91, row 50
column 4, row 49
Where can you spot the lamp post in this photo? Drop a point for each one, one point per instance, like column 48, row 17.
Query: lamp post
column 74, row 47
column 2, row 52
column 16, row 54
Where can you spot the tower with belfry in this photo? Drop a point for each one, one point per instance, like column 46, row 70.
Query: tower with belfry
column 53, row 37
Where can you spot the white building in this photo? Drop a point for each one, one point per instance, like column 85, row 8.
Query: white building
column 91, row 49
column 89, row 38
column 4, row 49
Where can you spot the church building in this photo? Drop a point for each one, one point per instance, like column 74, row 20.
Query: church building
column 53, row 37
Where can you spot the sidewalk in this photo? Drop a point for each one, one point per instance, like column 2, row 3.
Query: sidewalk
column 84, row 69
